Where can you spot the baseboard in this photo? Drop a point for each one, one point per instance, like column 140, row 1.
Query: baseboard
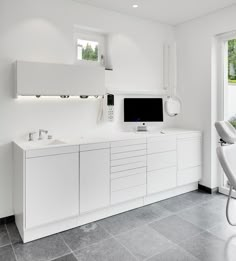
column 7, row 220
column 208, row 190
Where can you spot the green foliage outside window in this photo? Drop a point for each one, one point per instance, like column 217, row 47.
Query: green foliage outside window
column 232, row 61
column 88, row 53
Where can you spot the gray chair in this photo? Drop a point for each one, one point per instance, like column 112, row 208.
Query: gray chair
column 227, row 156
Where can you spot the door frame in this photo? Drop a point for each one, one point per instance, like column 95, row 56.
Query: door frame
column 222, row 79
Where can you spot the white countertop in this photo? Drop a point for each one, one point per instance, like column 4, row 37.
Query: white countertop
column 107, row 137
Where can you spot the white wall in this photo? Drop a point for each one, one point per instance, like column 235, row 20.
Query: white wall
column 43, row 31
column 197, row 86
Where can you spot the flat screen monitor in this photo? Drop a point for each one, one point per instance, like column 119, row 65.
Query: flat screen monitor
column 143, row 110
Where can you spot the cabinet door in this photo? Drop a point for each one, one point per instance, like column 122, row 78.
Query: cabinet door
column 94, row 179
column 189, row 152
column 52, row 184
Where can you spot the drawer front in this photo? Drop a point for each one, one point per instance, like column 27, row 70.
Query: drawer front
column 128, row 182
column 129, row 148
column 161, row 160
column 129, row 154
column 190, row 135
column 128, row 194
column 95, row 146
column 51, row 151
column 130, row 166
column 188, row 176
column 127, row 142
column 129, row 172
column 125, row 161
column 162, row 179
column 161, row 144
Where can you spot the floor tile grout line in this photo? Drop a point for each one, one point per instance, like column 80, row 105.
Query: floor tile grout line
column 93, row 244
column 112, row 236
column 60, row 235
column 13, row 250
column 55, row 258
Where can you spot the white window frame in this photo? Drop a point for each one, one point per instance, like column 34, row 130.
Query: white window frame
column 90, row 36
column 223, row 81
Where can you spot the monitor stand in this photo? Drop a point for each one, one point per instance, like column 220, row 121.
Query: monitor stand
column 141, row 129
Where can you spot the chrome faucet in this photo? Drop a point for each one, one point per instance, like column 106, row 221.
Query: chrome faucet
column 31, row 136
column 41, row 132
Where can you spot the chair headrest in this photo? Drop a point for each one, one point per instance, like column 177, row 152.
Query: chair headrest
column 226, row 131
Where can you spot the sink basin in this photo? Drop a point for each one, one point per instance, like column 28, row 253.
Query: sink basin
column 55, row 142
column 44, row 143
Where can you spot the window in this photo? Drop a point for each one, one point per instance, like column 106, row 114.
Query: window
column 87, row 50
column 232, row 61
column 89, row 46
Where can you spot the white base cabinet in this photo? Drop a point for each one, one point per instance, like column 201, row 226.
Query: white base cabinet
column 58, row 188
column 51, row 187
column 94, row 179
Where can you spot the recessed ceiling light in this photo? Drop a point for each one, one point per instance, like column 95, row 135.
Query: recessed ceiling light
column 135, row 6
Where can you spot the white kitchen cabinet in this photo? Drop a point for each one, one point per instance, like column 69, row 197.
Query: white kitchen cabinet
column 94, row 179
column 189, row 150
column 51, row 187
column 57, row 188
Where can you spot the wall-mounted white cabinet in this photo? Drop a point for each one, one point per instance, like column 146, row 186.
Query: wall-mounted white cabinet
column 46, row 79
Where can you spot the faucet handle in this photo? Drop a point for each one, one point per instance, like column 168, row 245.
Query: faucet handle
column 40, row 133
column 31, row 135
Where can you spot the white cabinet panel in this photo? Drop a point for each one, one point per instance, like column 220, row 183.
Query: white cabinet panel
column 130, row 166
column 161, row 160
column 126, row 173
column 94, row 179
column 189, row 152
column 120, row 162
column 189, row 175
column 51, row 189
column 51, row 151
column 161, row 144
column 162, row 179
column 34, row 78
column 95, row 146
column 128, row 182
column 128, row 194
column 129, row 154
column 129, row 148
column 121, row 143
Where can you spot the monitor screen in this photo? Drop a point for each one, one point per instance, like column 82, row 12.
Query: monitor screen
column 143, row 110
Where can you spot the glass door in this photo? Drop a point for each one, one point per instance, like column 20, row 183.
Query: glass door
column 228, row 84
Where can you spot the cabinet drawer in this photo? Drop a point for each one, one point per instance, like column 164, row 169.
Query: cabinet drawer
column 188, row 176
column 128, row 182
column 130, row 166
column 95, row 146
column 161, row 160
column 120, row 162
column 126, row 173
column 162, row 144
column 162, row 179
column 127, row 142
column 129, row 154
column 128, row 194
column 128, row 148
column 51, row 151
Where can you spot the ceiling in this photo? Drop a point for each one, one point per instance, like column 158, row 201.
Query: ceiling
column 171, row 12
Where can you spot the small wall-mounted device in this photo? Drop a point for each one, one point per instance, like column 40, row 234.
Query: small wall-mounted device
column 110, row 107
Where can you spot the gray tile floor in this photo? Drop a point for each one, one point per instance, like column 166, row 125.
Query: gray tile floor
column 190, row 227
